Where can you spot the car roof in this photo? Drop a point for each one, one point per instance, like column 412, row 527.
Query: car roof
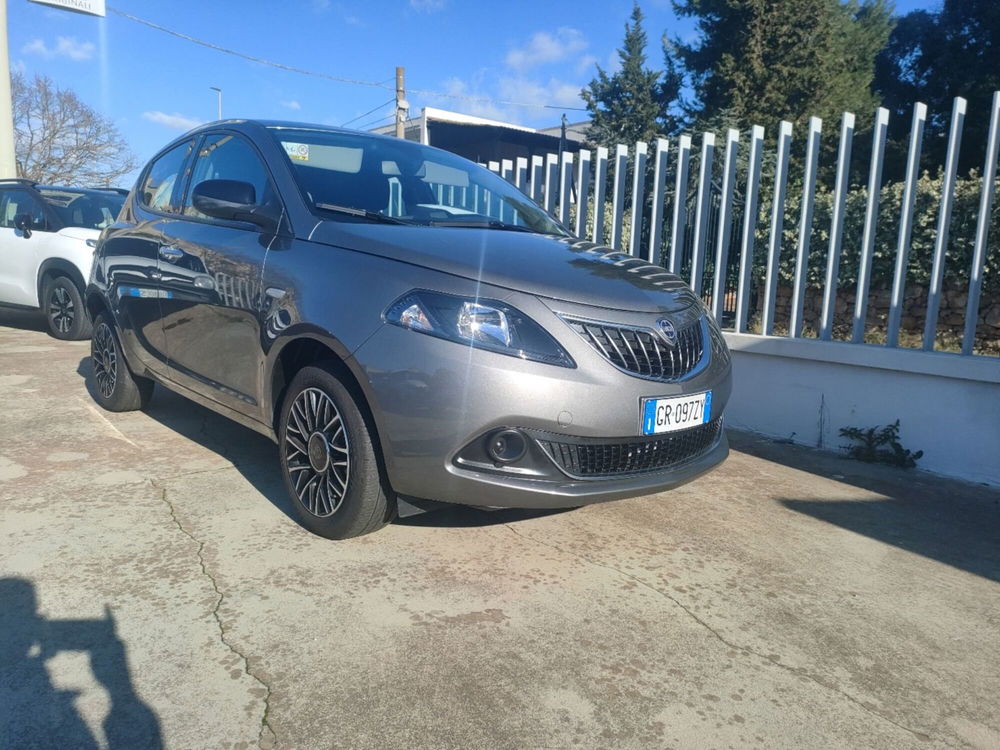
column 243, row 124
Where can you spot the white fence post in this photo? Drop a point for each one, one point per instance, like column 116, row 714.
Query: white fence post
column 659, row 190
column 837, row 227
column 600, row 190
column 871, row 222
column 582, row 191
column 725, row 225
column 537, row 177
column 982, row 228
column 521, row 174
column 777, row 227
column 701, row 211
column 944, row 222
column 906, row 224
column 680, row 204
column 618, row 198
column 749, row 228
column 638, row 198
column 551, row 182
column 805, row 228
column 565, row 186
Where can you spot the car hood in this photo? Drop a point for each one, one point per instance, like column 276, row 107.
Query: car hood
column 559, row 268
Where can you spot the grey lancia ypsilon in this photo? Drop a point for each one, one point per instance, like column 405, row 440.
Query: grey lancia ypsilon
column 404, row 323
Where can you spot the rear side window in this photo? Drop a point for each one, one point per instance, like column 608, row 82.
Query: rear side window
column 224, row 156
column 161, row 187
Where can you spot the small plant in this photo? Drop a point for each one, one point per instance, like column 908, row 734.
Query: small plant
column 879, row 444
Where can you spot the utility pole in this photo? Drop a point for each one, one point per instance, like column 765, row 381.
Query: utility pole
column 8, row 162
column 401, row 104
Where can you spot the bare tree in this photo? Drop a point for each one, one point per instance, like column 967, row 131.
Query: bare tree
column 61, row 140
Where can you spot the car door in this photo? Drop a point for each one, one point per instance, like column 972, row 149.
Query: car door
column 131, row 256
column 21, row 252
column 211, row 273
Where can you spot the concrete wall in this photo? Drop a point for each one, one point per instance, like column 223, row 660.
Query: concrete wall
column 806, row 390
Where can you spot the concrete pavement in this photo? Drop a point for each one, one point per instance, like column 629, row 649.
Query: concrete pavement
column 156, row 591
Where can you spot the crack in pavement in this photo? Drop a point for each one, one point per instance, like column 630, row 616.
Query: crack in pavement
column 264, row 723
column 718, row 636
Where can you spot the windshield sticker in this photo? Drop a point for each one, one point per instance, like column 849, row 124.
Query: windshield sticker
column 297, row 151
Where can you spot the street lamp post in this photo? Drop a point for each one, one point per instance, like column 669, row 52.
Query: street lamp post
column 218, row 91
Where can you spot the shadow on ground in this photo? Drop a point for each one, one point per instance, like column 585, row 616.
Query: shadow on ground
column 33, row 711
column 256, row 458
column 942, row 519
column 28, row 320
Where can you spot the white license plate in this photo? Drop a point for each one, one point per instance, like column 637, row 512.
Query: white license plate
column 675, row 413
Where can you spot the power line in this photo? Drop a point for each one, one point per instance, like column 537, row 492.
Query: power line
column 327, row 76
column 373, row 109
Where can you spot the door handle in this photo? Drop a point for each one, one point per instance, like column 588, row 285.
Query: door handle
column 171, row 254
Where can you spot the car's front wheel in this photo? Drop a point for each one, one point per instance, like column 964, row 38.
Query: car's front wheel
column 64, row 311
column 328, row 458
column 114, row 386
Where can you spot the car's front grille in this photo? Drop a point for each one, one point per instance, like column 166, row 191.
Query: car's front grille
column 594, row 458
column 642, row 351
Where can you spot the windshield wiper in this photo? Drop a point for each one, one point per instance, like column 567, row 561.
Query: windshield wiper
column 360, row 212
column 483, row 224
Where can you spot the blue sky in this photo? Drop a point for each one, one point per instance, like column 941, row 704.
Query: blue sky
column 153, row 85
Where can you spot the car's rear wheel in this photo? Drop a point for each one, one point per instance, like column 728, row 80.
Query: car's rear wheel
column 64, row 310
column 115, row 387
column 328, row 458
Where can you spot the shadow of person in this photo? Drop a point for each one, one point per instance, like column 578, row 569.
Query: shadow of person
column 33, row 712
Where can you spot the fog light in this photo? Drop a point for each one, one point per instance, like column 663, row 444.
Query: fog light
column 506, row 446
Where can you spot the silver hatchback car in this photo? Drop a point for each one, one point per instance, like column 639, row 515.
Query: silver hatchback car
column 403, row 323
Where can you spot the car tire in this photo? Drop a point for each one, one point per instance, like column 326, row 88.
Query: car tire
column 328, row 459
column 65, row 313
column 115, row 387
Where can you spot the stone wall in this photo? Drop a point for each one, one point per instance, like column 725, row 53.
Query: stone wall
column 951, row 317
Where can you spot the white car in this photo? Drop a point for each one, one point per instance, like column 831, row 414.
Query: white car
column 47, row 240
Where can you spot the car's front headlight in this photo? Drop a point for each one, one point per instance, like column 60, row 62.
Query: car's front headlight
column 481, row 323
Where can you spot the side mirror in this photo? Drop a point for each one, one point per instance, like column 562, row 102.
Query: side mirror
column 233, row 200
column 24, row 223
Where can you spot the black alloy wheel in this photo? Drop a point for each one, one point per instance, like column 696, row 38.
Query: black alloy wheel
column 328, row 457
column 64, row 310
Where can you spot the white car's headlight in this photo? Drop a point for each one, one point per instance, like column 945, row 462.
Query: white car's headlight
column 481, row 323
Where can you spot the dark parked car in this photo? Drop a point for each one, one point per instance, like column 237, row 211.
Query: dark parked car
column 404, row 323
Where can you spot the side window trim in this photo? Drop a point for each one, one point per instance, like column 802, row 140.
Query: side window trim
column 189, row 169
column 184, row 175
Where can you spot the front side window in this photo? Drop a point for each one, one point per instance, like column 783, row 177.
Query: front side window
column 224, row 156
column 16, row 202
column 161, row 187
column 404, row 182
column 79, row 208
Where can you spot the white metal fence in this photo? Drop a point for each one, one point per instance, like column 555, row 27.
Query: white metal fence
column 711, row 231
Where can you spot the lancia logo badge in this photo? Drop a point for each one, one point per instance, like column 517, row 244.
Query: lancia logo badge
column 668, row 330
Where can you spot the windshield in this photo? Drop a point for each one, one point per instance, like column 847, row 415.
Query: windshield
column 91, row 209
column 405, row 181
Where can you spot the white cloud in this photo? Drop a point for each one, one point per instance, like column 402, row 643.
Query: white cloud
column 586, row 64
column 544, row 48
column 614, row 63
column 175, row 121
column 428, row 6
column 554, row 91
column 292, row 104
column 66, row 46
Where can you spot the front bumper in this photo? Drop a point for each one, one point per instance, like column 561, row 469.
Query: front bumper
column 432, row 399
